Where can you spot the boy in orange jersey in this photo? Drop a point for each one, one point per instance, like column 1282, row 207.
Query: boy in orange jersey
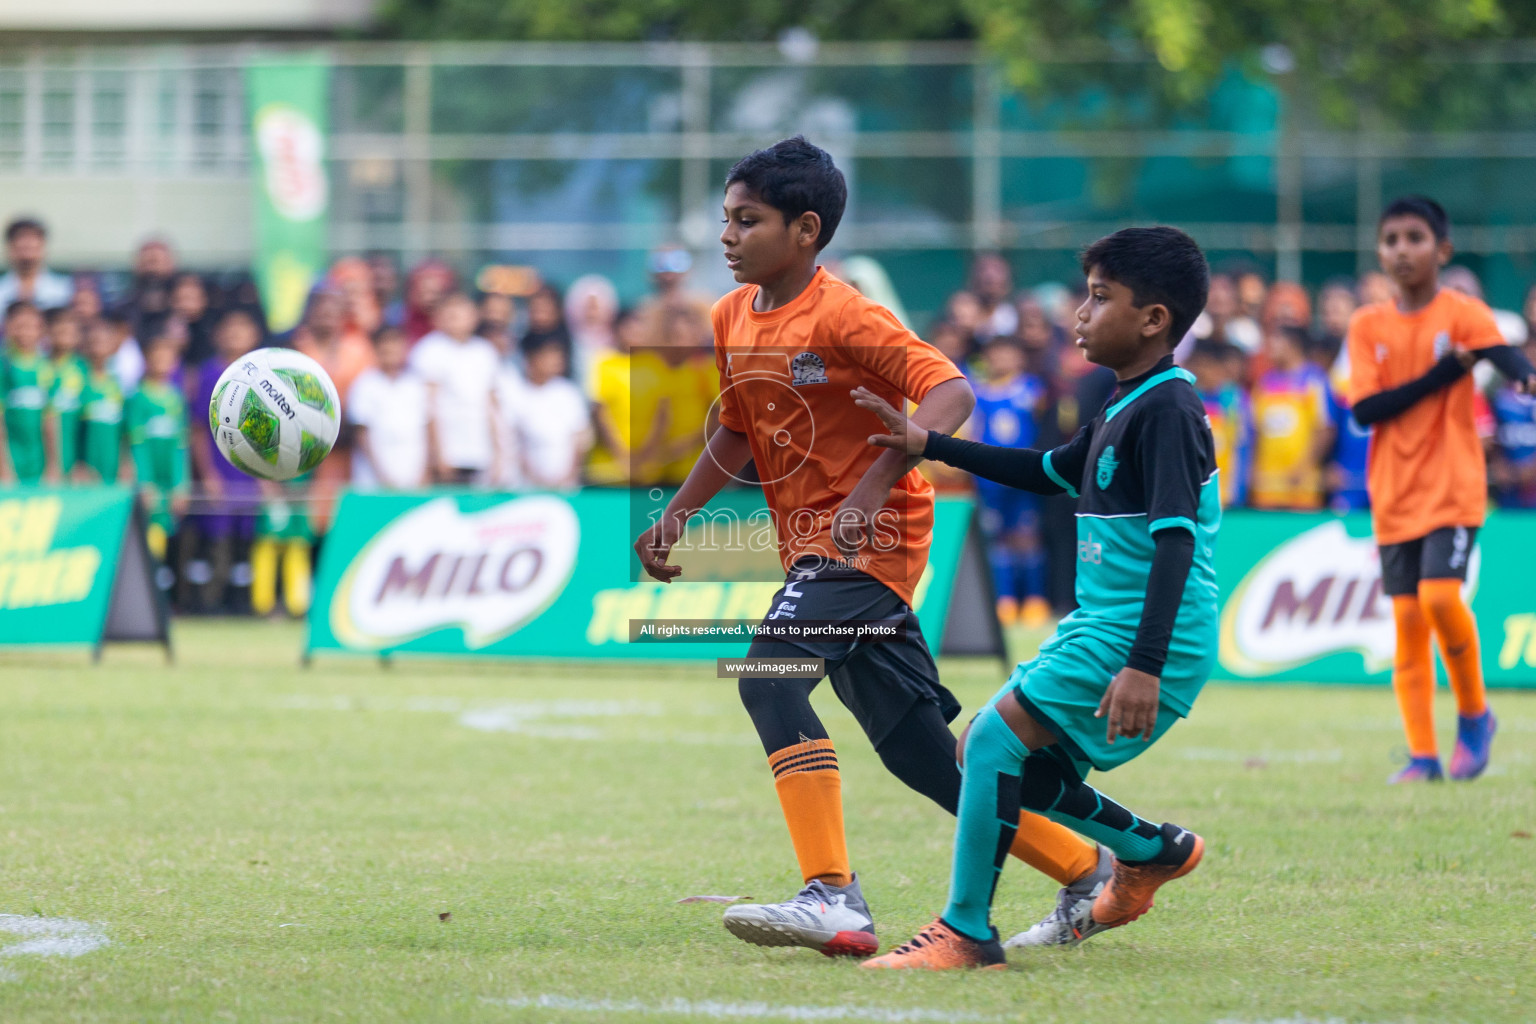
column 1428, row 482
column 853, row 526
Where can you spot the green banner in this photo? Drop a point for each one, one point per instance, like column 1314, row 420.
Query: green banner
column 287, row 101
column 58, row 559
column 1301, row 599
column 544, row 575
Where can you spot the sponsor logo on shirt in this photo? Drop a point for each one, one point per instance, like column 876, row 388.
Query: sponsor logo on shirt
column 807, row 368
column 1090, row 551
column 1107, row 466
column 1442, row 344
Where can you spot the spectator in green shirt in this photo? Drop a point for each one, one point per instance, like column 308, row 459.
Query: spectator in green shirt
column 69, row 374
column 156, row 415
column 28, row 429
column 102, row 437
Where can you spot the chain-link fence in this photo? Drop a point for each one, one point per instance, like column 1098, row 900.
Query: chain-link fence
column 579, row 158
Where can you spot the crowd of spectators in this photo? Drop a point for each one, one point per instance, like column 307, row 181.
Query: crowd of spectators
column 509, row 383
column 1270, row 363
column 505, row 384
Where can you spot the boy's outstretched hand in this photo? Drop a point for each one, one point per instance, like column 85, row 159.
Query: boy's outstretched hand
column 1131, row 704
column 905, row 436
column 654, row 545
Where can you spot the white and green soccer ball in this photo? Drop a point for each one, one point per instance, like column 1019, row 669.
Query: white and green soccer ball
column 274, row 414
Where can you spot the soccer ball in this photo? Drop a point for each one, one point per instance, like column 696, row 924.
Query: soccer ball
column 274, row 414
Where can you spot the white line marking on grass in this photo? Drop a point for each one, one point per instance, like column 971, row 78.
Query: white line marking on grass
column 735, row 1011
column 51, row 936
column 529, row 717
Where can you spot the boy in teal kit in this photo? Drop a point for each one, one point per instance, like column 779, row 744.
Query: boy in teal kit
column 1137, row 651
column 29, row 429
column 156, row 415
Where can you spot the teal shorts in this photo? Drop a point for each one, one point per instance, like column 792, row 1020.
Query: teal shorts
column 1061, row 689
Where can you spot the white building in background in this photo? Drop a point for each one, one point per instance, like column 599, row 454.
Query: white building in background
column 182, row 16
column 113, row 126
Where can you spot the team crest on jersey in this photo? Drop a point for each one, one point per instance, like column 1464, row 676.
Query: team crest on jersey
column 1442, row 345
column 1107, row 467
column 807, row 368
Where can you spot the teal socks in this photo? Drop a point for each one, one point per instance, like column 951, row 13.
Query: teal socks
column 986, row 823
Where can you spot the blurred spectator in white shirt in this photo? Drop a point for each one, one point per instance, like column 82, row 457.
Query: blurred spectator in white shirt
column 460, row 369
column 547, row 420
column 387, row 408
column 26, row 250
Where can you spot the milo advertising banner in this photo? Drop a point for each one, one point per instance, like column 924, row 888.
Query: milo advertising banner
column 1301, row 599
column 545, row 575
column 74, row 569
column 287, row 101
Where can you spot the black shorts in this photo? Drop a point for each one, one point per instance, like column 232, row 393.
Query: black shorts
column 877, row 680
column 1442, row 554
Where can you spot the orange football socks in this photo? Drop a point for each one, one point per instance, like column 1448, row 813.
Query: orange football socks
column 811, row 793
column 1456, row 630
column 1053, row 850
column 1413, row 676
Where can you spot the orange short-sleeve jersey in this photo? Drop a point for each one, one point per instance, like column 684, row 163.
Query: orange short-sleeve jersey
column 785, row 382
column 1426, row 468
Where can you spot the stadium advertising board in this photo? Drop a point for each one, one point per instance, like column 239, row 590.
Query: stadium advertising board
column 544, row 575
column 74, row 570
column 1301, row 600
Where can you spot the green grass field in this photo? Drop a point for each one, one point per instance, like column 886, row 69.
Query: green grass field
column 497, row 843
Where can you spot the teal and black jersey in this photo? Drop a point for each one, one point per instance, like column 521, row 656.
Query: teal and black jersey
column 1145, row 464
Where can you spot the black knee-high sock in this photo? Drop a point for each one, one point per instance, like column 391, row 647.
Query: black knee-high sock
column 1051, row 789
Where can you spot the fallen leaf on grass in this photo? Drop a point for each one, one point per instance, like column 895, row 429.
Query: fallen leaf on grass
column 1520, row 833
column 1255, row 762
column 445, row 915
column 713, row 899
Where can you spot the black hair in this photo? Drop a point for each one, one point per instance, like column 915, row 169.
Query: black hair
column 1210, row 348
column 1005, row 339
column 539, row 343
column 21, row 306
column 238, row 311
column 117, row 316
column 21, row 224
column 1298, row 336
column 389, row 331
column 1422, row 207
column 1159, row 265
column 795, row 177
column 53, row 316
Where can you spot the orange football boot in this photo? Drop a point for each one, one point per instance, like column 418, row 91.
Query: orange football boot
column 940, row 948
column 1132, row 886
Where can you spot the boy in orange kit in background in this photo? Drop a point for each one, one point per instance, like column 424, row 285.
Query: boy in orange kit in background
column 1427, row 478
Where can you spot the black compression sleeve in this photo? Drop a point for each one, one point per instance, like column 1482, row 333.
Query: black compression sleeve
column 1022, row 468
column 1165, row 589
column 1395, row 401
column 1509, row 361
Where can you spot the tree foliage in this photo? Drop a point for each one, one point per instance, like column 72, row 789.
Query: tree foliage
column 619, row 20
column 1384, row 53
column 1342, row 53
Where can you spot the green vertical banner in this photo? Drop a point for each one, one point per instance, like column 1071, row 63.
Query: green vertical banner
column 288, row 103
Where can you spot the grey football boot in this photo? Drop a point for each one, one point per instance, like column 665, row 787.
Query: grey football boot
column 1072, row 920
column 833, row 921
